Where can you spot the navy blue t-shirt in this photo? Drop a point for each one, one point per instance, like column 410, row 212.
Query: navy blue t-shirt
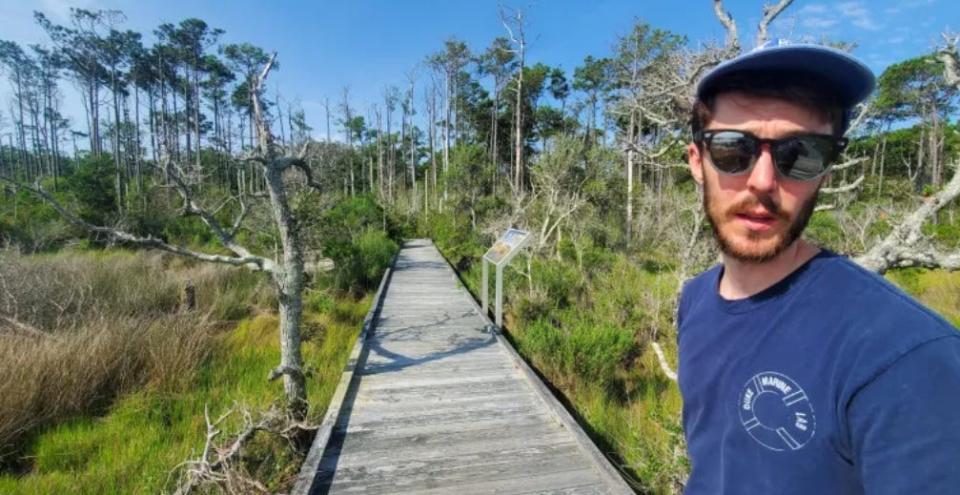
column 831, row 381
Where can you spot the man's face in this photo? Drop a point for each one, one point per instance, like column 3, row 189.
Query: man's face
column 757, row 215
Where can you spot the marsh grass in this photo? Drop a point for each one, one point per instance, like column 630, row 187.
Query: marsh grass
column 586, row 328
column 113, row 401
column 937, row 289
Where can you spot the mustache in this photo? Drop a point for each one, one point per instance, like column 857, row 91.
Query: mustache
column 751, row 203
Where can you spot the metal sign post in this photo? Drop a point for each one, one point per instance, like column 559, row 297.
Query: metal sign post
column 499, row 255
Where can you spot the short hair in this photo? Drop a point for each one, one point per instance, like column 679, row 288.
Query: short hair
column 801, row 88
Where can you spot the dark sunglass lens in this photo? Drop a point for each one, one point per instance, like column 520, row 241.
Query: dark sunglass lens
column 731, row 152
column 804, row 157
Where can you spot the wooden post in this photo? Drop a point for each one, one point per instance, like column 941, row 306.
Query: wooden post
column 190, row 296
column 499, row 314
column 486, row 284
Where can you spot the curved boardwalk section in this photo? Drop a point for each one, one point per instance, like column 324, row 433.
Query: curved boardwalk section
column 441, row 405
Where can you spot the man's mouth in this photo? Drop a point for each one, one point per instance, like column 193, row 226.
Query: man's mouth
column 757, row 220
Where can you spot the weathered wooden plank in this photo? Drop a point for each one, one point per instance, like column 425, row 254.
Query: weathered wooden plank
column 450, row 470
column 575, row 482
column 371, row 449
column 440, row 405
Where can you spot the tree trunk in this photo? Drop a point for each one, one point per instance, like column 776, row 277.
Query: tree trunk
column 116, row 139
column 518, row 132
column 446, row 138
column 494, row 156
column 630, row 144
column 289, row 282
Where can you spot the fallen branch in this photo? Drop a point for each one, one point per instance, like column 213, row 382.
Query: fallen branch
column 664, row 366
column 844, row 188
column 906, row 245
column 25, row 329
column 216, row 463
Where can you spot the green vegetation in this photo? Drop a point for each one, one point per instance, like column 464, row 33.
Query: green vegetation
column 585, row 321
column 351, row 235
column 113, row 403
column 107, row 375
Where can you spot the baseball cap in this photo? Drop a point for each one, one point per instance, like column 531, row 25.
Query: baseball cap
column 850, row 79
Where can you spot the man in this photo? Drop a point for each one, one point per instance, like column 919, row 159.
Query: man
column 800, row 371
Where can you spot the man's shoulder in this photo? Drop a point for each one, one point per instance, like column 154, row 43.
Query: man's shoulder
column 856, row 289
column 696, row 287
column 872, row 318
column 702, row 280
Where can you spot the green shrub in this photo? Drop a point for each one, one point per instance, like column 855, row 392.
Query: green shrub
column 824, row 230
column 358, row 265
column 581, row 349
column 361, row 239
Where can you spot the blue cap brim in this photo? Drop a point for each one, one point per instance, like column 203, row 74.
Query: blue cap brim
column 851, row 79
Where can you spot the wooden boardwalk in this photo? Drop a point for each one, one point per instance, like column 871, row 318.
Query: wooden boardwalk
column 435, row 402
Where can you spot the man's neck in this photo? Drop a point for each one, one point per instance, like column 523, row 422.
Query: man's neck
column 743, row 279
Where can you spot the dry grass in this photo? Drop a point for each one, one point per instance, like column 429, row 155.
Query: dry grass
column 77, row 330
column 49, row 380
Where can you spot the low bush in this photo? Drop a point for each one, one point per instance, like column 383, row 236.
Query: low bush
column 355, row 234
column 579, row 349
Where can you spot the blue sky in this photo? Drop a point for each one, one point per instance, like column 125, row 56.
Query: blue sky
column 367, row 45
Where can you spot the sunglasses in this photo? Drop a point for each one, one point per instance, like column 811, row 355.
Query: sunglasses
column 799, row 157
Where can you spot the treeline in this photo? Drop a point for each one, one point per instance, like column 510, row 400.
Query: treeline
column 186, row 98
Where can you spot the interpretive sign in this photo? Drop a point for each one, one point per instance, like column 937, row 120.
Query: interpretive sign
column 502, row 251
column 507, row 246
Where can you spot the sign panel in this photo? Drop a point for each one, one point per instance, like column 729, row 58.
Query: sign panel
column 506, row 246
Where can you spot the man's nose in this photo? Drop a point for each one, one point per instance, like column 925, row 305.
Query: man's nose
column 763, row 176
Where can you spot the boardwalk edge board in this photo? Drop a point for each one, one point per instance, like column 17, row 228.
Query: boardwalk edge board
column 309, row 469
column 586, row 444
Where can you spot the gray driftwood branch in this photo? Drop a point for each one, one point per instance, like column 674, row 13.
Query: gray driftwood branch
column 906, row 245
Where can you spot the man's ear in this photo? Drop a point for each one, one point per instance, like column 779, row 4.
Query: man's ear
column 695, row 160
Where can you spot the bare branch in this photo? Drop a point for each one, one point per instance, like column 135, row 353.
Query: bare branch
column 264, row 136
column 770, row 12
column 847, row 164
column 664, row 366
column 865, row 110
column 244, row 209
column 844, row 188
column 248, row 260
column 21, row 328
column 284, row 370
column 226, row 237
column 904, row 245
column 205, row 470
column 949, row 56
column 733, row 41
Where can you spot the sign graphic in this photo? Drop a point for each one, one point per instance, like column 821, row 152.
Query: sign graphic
column 776, row 412
column 507, row 246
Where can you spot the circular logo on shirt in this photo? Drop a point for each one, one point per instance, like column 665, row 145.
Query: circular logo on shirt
column 776, row 412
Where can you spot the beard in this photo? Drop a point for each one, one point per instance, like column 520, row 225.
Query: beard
column 756, row 249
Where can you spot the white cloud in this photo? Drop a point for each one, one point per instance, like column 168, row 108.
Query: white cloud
column 820, row 22
column 858, row 14
column 59, row 10
column 816, row 16
column 822, row 17
column 814, row 8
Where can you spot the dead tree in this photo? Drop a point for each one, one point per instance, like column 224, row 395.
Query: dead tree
column 770, row 12
column 287, row 273
column 513, row 22
column 906, row 245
